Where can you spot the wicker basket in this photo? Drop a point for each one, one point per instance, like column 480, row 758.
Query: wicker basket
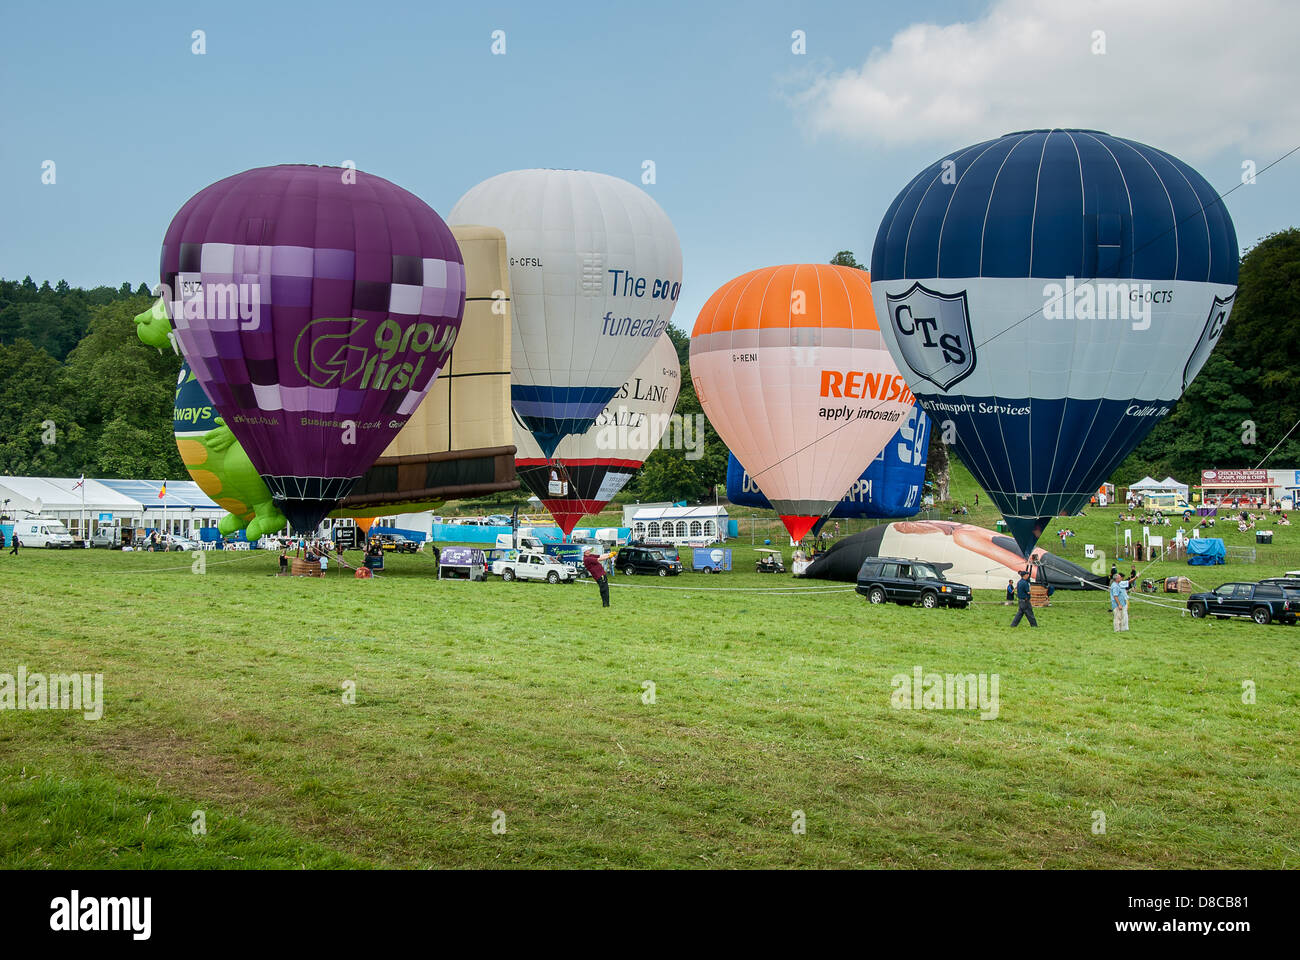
column 305, row 568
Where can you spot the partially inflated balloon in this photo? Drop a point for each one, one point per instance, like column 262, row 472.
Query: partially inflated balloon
column 1052, row 293
column 316, row 305
column 790, row 367
column 596, row 270
column 590, row 468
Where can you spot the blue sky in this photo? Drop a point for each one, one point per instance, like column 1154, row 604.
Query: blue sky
column 762, row 156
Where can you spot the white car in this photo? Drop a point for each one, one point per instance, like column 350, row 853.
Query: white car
column 534, row 566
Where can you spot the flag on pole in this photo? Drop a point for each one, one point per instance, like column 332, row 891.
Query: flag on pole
column 79, row 482
column 162, row 492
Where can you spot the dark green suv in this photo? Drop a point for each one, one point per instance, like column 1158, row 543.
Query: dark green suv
column 653, row 560
column 907, row 582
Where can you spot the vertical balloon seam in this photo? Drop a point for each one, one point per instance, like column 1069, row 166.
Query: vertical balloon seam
column 605, row 266
column 752, row 424
column 1033, row 217
column 988, row 204
column 582, row 318
column 939, row 259
column 571, row 187
column 845, row 452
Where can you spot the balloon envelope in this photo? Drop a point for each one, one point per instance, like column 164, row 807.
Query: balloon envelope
column 975, row 556
column 588, row 469
column 315, row 306
column 1052, row 293
column 595, row 271
column 790, row 368
column 890, row 487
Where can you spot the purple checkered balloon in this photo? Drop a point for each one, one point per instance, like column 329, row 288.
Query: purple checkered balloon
column 316, row 306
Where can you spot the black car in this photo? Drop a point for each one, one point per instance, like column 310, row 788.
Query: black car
column 1262, row 602
column 905, row 582
column 396, row 542
column 632, row 560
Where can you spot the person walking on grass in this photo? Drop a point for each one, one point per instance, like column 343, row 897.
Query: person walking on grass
column 592, row 562
column 17, row 542
column 1119, row 602
column 1024, row 608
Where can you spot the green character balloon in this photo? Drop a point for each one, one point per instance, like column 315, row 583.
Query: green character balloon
column 209, row 450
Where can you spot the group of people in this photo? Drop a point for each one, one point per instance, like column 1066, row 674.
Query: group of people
column 1247, row 520
column 313, row 551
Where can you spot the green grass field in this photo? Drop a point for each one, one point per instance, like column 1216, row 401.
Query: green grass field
column 224, row 693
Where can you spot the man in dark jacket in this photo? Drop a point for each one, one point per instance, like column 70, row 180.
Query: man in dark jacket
column 592, row 562
column 1024, row 608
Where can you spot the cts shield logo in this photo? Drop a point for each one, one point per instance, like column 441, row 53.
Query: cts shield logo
column 1214, row 325
column 934, row 335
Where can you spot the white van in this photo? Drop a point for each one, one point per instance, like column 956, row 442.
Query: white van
column 525, row 542
column 42, row 532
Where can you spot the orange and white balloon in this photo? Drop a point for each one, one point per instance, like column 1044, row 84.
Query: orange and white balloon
column 792, row 371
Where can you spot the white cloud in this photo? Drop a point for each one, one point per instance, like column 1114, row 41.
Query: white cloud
column 1189, row 76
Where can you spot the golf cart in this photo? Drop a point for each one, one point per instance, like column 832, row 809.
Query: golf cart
column 769, row 562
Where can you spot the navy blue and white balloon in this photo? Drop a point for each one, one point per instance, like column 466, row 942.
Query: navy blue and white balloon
column 1050, row 294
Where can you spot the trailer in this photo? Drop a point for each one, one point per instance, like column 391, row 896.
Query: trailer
column 711, row 559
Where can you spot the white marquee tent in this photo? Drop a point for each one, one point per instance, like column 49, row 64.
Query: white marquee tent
column 87, row 507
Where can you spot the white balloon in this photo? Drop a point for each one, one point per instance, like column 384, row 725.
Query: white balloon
column 595, row 272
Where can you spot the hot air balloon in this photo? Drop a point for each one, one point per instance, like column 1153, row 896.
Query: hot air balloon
column 315, row 305
column 790, row 368
column 590, row 468
column 434, row 457
column 1052, row 293
column 890, row 487
column 596, row 270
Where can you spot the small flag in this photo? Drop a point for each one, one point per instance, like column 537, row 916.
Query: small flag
column 79, row 482
column 163, row 491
